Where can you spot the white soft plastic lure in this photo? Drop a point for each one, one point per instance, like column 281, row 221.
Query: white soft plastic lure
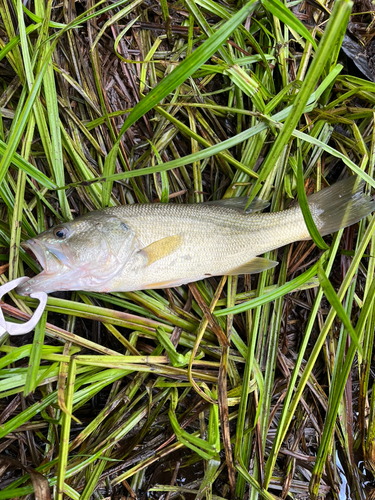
column 20, row 328
column 141, row 246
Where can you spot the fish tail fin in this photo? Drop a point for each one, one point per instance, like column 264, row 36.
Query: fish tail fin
column 340, row 205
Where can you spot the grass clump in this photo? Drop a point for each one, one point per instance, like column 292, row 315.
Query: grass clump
column 250, row 387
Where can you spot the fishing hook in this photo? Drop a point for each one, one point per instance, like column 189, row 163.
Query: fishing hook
column 21, row 328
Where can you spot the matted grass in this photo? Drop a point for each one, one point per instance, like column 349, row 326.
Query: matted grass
column 249, row 387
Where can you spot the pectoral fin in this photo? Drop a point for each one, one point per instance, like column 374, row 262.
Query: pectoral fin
column 162, row 248
column 256, row 265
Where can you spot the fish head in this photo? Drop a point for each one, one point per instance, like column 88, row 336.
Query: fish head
column 80, row 255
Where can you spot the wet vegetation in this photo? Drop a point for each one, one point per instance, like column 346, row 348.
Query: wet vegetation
column 251, row 387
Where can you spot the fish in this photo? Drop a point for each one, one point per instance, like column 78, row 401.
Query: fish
column 162, row 245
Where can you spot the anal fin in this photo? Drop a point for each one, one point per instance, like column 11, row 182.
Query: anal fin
column 168, row 284
column 256, row 265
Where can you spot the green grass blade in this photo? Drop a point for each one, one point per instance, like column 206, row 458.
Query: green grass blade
column 21, row 124
column 303, row 203
column 16, row 40
column 336, row 304
column 35, row 357
column 280, row 11
column 50, row 95
column 65, row 429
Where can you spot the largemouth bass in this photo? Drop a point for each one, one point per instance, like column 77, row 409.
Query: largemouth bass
column 142, row 246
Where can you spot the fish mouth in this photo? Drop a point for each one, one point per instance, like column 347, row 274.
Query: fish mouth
column 36, row 252
column 50, row 259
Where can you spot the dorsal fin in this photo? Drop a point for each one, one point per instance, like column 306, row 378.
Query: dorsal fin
column 239, row 204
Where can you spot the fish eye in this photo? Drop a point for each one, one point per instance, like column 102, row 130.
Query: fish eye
column 60, row 232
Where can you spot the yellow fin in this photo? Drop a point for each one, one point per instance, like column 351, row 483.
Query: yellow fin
column 162, row 248
column 256, row 265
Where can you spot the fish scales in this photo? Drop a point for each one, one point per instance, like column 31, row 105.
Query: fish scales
column 214, row 237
